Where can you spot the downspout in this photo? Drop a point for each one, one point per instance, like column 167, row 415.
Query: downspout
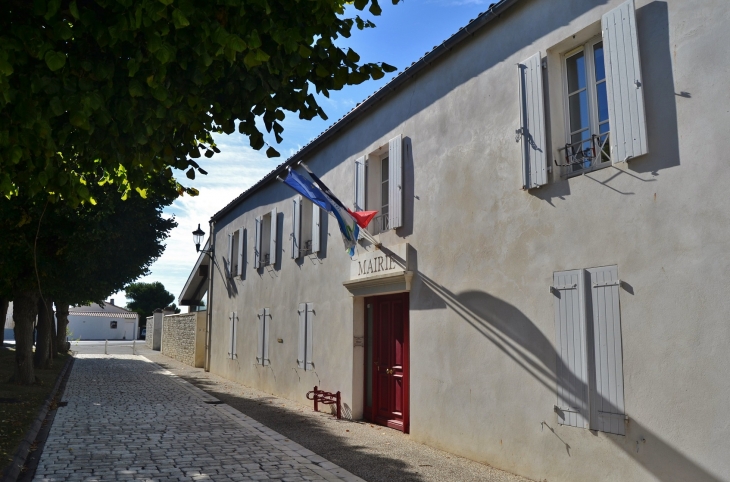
column 209, row 302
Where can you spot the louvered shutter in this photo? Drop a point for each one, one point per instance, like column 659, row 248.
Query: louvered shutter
column 572, row 370
column 607, row 405
column 230, row 331
column 296, row 233
column 257, row 243
column 532, row 123
column 267, row 325
column 229, row 255
column 623, row 83
column 260, row 344
column 301, row 347
column 395, row 183
column 241, row 252
column 308, row 349
column 360, row 184
column 316, row 220
column 234, row 335
column 273, row 252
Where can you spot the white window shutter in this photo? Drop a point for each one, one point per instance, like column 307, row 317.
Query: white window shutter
column 532, row 123
column 267, row 325
column 360, row 184
column 308, row 349
column 241, row 251
column 228, row 255
column 607, row 405
column 257, row 243
column 572, row 366
column 230, row 330
column 260, row 344
column 234, row 335
column 301, row 351
column 623, row 84
column 296, row 232
column 273, row 252
column 316, row 220
column 395, row 182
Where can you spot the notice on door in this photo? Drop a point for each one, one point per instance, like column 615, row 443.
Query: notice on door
column 383, row 261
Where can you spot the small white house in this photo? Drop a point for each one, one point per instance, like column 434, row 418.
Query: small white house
column 95, row 322
column 9, row 324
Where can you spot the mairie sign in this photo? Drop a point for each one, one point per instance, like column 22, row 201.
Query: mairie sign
column 384, row 261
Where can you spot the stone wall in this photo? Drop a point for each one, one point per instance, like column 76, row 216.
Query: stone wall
column 149, row 332
column 179, row 337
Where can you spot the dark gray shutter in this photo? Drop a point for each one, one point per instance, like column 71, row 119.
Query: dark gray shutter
column 624, row 84
column 532, row 120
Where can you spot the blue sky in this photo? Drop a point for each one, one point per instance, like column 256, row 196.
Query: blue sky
column 403, row 34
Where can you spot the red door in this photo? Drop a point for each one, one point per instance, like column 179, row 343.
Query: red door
column 388, row 320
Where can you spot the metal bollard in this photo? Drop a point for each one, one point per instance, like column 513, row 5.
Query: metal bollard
column 106, row 342
column 134, row 347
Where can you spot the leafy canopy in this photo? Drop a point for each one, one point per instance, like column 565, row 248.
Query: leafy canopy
column 121, row 91
column 147, row 297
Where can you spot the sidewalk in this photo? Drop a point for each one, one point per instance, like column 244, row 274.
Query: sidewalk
column 126, row 418
column 371, row 452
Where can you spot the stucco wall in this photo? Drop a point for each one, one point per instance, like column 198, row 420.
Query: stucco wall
column 482, row 329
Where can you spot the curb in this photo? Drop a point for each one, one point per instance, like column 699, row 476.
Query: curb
column 12, row 472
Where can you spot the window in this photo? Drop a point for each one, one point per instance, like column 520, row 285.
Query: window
column 262, row 348
column 306, row 321
column 235, row 244
column 113, row 324
column 586, row 110
column 379, row 186
column 589, row 372
column 265, row 250
column 597, row 101
column 233, row 335
column 305, row 235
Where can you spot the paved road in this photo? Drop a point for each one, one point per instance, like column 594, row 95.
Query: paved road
column 129, row 419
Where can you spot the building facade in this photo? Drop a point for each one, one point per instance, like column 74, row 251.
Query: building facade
column 108, row 322
column 549, row 292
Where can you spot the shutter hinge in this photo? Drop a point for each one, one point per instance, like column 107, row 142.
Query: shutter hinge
column 519, row 133
column 610, row 283
column 567, row 287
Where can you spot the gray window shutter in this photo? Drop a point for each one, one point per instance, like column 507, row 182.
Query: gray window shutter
column 273, row 252
column 229, row 255
column 308, row 349
column 267, row 325
column 301, row 351
column 360, row 184
column 234, row 335
column 532, row 123
column 395, row 182
column 316, row 220
column 607, row 405
column 623, row 83
column 260, row 344
column 296, row 232
column 572, row 369
column 257, row 244
column 241, row 251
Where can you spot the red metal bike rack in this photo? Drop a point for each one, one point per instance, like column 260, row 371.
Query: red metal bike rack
column 326, row 398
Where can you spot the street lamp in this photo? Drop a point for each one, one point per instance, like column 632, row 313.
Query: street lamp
column 198, row 237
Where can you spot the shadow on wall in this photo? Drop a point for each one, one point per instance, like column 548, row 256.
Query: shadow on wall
column 508, row 329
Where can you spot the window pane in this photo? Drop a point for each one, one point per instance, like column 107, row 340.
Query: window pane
column 604, row 145
column 598, row 61
column 578, row 106
column 384, row 170
column 576, row 72
column 581, row 149
column 602, row 102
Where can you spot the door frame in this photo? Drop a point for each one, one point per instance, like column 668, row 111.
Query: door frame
column 368, row 412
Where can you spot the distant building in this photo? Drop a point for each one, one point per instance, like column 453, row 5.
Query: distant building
column 9, row 324
column 95, row 322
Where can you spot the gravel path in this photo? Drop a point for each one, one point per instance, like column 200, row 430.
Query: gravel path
column 369, row 451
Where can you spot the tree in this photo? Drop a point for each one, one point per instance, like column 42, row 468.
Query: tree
column 147, row 297
column 115, row 91
column 75, row 255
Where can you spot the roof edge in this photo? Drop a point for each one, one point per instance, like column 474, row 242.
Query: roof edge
column 493, row 12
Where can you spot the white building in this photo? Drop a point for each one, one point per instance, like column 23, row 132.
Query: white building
column 550, row 296
column 95, row 322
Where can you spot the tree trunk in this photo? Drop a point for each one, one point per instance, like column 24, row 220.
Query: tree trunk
column 61, row 326
column 3, row 312
column 25, row 309
column 43, row 342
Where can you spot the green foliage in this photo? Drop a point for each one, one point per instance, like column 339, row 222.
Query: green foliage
column 147, row 297
column 120, row 91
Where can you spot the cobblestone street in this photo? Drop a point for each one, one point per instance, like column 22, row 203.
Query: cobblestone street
column 129, row 419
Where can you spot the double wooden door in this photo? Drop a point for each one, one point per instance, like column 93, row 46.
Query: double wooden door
column 387, row 360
